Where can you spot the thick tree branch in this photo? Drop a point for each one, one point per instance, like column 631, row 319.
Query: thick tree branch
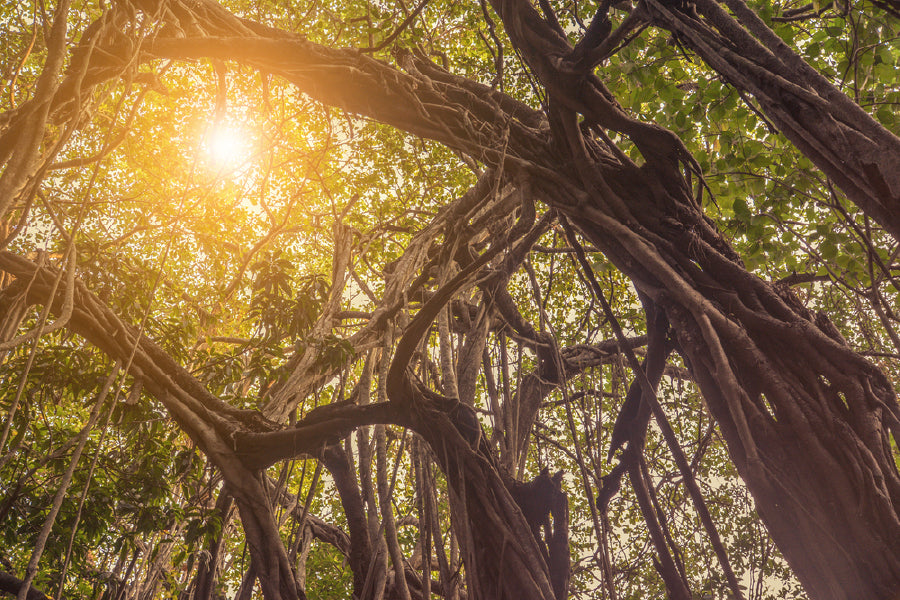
column 321, row 427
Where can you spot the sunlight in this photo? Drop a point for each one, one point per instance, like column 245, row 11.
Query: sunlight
column 226, row 147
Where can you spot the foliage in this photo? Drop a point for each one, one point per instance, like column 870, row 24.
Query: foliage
column 225, row 257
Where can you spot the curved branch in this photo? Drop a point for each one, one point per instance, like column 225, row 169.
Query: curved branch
column 12, row 584
column 323, row 426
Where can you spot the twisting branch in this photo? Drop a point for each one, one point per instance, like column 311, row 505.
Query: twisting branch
column 398, row 380
column 802, row 103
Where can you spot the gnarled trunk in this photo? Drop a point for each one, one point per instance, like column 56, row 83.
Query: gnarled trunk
column 806, row 419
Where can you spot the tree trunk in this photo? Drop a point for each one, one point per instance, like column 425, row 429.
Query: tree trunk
column 806, row 419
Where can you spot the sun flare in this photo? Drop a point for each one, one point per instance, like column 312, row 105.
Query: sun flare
column 227, row 147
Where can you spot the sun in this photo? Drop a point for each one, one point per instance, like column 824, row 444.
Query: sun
column 226, row 147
